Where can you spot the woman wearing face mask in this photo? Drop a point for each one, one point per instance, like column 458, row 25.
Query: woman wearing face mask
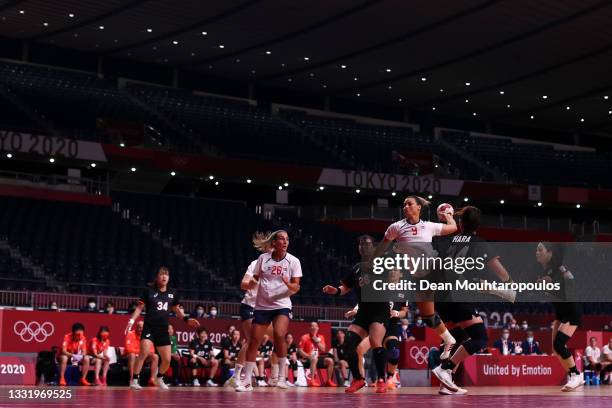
column 97, row 348
column 109, row 308
column 212, row 312
column 53, row 307
column 568, row 314
column 199, row 312
column 159, row 301
column 91, row 306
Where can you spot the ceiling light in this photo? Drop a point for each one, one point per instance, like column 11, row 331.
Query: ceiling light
column 581, row 119
column 268, row 52
column 544, row 96
column 610, row 112
column 249, row 181
column 394, row 194
column 358, row 94
column 46, row 24
column 324, row 85
column 286, row 184
column 358, row 191
column 441, row 90
column 423, row 79
column 133, row 169
column 221, row 46
column 172, row 173
column 121, row 144
column 253, row 71
column 474, row 114
column 237, row 60
column 9, row 156
column 311, row 74
column 216, row 183
column 606, row 97
column 21, row 12
column 101, row 27
column 508, row 106
column 389, row 87
column 343, row 66
column 399, row 99
column 355, row 79
column 531, row 117
column 175, row 42
column 501, row 92
column 502, row 201
column 467, row 101
column 577, row 205
column 321, row 188
column 149, row 30
column 429, row 197
column 539, row 203
column 289, row 79
column 204, row 33
column 468, row 84
column 388, row 69
column 280, row 187
column 211, row 177
column 76, row 35
column 465, row 199
column 433, row 108
column 306, row 58
column 93, row 164
column 567, row 108
column 71, row 15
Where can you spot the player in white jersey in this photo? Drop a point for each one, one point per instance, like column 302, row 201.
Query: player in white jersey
column 410, row 234
column 277, row 276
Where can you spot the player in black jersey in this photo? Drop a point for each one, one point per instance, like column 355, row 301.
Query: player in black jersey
column 158, row 301
column 340, row 356
column 399, row 310
column 369, row 321
column 466, row 244
column 292, row 358
column 567, row 313
column 201, row 356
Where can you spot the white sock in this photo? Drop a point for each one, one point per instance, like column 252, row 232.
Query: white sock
column 238, row 370
column 249, row 367
column 274, row 372
column 282, row 362
column 447, row 337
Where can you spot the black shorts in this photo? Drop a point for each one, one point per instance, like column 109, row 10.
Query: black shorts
column 456, row 312
column 369, row 313
column 394, row 329
column 198, row 364
column 246, row 312
column 158, row 334
column 320, row 361
column 267, row 316
column 568, row 312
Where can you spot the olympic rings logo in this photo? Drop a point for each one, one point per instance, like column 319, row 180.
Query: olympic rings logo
column 419, row 354
column 33, row 331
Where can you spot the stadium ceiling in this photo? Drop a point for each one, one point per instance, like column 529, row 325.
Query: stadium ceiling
column 542, row 63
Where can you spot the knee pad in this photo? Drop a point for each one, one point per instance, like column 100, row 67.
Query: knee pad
column 478, row 338
column 352, row 341
column 560, row 345
column 393, row 352
column 432, row 320
column 459, row 334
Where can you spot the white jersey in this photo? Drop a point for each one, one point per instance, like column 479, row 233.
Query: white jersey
column 273, row 293
column 607, row 352
column 593, row 352
column 250, row 296
column 422, row 231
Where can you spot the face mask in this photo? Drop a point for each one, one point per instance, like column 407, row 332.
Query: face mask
column 505, row 336
column 405, row 327
column 213, row 312
column 530, row 339
column 200, row 312
column 53, row 307
column 419, row 321
column 525, row 327
column 110, row 310
column 92, row 305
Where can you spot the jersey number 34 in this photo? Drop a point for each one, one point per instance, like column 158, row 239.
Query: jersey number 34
column 162, row 305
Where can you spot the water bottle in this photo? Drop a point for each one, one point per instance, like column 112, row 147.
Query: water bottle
column 595, row 379
column 587, row 377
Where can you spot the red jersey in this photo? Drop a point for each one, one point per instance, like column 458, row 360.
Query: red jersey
column 307, row 345
column 132, row 343
column 74, row 346
column 97, row 346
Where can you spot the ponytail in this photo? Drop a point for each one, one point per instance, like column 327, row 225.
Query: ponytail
column 263, row 241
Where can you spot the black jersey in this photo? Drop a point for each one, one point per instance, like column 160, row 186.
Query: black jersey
column 557, row 275
column 158, row 305
column 266, row 349
column 201, row 349
column 232, row 349
column 399, row 305
column 354, row 280
column 341, row 351
column 292, row 348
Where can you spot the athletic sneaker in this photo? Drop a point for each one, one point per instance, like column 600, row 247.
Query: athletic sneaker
column 346, row 383
column 314, row 383
column 381, row 386
column 231, row 382
column 244, row 388
column 272, row 382
column 62, row 382
column 84, row 382
column 99, row 382
column 290, row 384
column 196, row 382
column 575, row 381
column 103, row 379
column 210, row 383
column 355, row 386
column 391, row 384
column 445, row 377
column 446, row 351
column 262, row 383
column 330, row 383
column 134, row 385
column 281, row 384
column 161, row 384
column 444, row 391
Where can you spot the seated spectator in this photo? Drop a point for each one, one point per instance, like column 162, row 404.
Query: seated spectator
column 504, row 345
column 406, row 334
column 229, row 354
column 199, row 313
column 312, row 350
column 175, row 356
column 201, row 356
column 292, row 357
column 524, row 325
column 74, row 349
column 592, row 356
column 212, row 312
column 132, row 349
column 97, row 350
column 53, row 307
column 512, row 325
column 340, row 356
column 529, row 345
column 418, row 322
column 227, row 336
column 606, row 362
column 91, row 306
column 109, row 308
column 263, row 359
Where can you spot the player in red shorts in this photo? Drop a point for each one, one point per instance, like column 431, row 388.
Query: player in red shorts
column 97, row 349
column 74, row 349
